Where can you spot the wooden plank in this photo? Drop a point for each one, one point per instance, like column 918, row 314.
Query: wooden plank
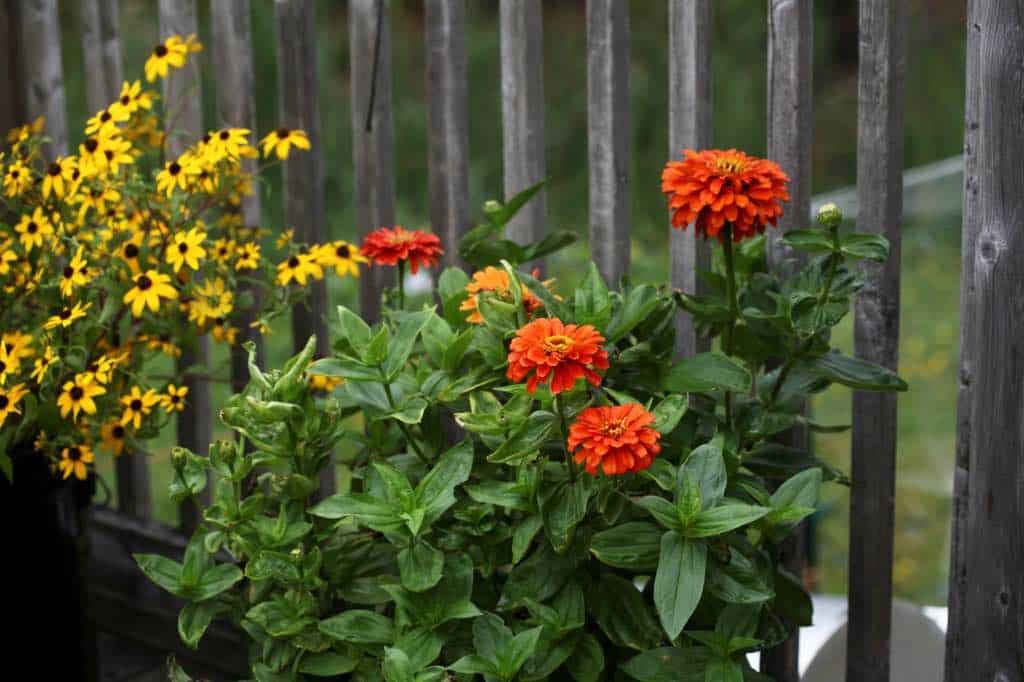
column 972, row 223
column 689, row 127
column 876, row 338
column 608, row 135
column 101, row 48
column 447, row 127
column 182, row 95
column 522, row 113
column 236, row 108
column 373, row 156
column 12, row 109
column 42, row 69
column 299, row 107
column 986, row 644
column 790, row 70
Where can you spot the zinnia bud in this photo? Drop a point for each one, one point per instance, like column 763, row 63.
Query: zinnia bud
column 829, row 216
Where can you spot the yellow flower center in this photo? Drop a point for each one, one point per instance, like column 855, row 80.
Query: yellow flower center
column 558, row 343
column 730, row 164
column 614, row 428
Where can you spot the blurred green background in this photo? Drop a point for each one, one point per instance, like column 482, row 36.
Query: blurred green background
column 930, row 264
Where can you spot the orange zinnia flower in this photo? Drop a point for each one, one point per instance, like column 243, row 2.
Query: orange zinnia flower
column 495, row 280
column 564, row 352
column 715, row 187
column 617, row 438
column 389, row 245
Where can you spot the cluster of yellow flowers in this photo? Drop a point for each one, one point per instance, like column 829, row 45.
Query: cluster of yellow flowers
column 115, row 253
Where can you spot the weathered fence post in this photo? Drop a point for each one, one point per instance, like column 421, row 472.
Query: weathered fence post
column 448, row 132
column 972, row 219
column 182, row 94
column 12, row 109
column 303, row 174
column 876, row 338
column 101, row 47
column 374, row 178
column 689, row 127
column 790, row 68
column 608, row 135
column 40, row 58
column 522, row 114
column 986, row 627
column 236, row 108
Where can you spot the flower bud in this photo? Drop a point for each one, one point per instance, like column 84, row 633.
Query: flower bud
column 491, row 206
column 179, row 457
column 829, row 216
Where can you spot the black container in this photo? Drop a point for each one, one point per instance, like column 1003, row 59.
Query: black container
column 44, row 545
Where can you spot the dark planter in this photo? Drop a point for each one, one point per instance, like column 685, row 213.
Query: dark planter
column 44, row 556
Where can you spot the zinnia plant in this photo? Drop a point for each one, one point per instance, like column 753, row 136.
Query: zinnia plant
column 117, row 254
column 539, row 489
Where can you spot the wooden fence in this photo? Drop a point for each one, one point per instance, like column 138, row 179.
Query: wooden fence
column 987, row 586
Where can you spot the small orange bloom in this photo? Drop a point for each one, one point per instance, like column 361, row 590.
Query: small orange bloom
column 497, row 281
column 389, row 245
column 617, row 438
column 563, row 352
column 715, row 187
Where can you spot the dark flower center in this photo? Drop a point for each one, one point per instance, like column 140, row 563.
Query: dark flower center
column 3, row 366
column 15, row 173
column 4, row 402
column 131, row 250
column 136, row 405
column 107, row 153
column 224, row 134
column 75, row 174
column 93, row 367
column 77, row 393
column 117, row 432
column 174, row 168
column 74, row 454
column 143, row 283
column 183, row 247
column 125, row 99
column 105, row 116
column 53, row 169
column 65, row 313
column 293, row 262
column 219, row 322
column 343, row 251
column 175, row 399
column 160, row 50
column 91, row 144
column 69, row 272
column 32, row 227
column 283, row 133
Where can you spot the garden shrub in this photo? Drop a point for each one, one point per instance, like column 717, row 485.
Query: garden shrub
column 540, row 489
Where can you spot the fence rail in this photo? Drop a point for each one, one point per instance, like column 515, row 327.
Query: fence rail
column 31, row 51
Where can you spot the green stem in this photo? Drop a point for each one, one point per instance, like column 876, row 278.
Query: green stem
column 734, row 313
column 404, row 427
column 570, row 464
column 401, row 285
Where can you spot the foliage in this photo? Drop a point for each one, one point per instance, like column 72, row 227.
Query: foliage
column 115, row 255
column 471, row 544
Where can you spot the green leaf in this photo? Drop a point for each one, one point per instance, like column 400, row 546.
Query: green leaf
column 855, row 373
column 550, row 243
column 267, row 565
column 400, row 348
column 519, row 649
column 455, row 351
column 411, row 410
column 421, row 645
column 553, row 306
column 353, row 328
column 367, row 509
column 473, row 665
column 345, row 367
column 193, row 620
column 723, row 670
column 638, row 304
column 436, row 492
column 491, row 637
column 396, row 666
column 328, row 664
column 634, row 545
column 359, row 626
column 809, row 241
column 420, row 566
column 622, row 613
column 722, row 519
column 668, row 413
column 280, row 617
column 564, row 505
column 376, row 352
column 706, row 372
column 679, row 582
column 663, row 511
column 507, row 494
column 865, row 245
column 586, row 663
column 669, row 664
column 526, row 440
column 705, row 466
column 502, row 213
column 791, row 599
column 163, row 571
column 451, row 288
column 523, row 536
column 800, row 490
